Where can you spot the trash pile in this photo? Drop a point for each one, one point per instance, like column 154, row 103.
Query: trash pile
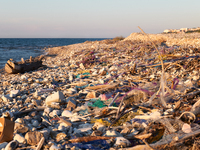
column 99, row 95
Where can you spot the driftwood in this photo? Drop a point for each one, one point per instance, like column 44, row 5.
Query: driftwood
column 89, row 138
column 13, row 67
column 40, row 144
column 20, row 113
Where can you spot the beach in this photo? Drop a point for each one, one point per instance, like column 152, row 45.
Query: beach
column 141, row 92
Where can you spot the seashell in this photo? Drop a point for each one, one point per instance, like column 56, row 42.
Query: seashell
column 186, row 128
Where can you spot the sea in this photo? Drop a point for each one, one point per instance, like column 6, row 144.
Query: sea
column 17, row 48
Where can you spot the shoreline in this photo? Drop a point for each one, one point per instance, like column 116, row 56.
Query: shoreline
column 86, row 77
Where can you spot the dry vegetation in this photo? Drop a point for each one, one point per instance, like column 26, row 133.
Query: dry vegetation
column 183, row 39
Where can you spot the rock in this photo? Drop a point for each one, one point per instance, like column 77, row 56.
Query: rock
column 121, row 141
column 112, row 133
column 55, row 113
column 11, row 145
column 125, row 131
column 56, row 97
column 90, row 95
column 154, row 116
column 23, row 77
column 47, row 110
column 20, row 128
column 75, row 118
column 65, row 124
column 3, row 145
column 35, row 123
column 14, row 93
column 6, row 98
column 85, row 129
column 60, row 137
column 82, row 66
column 19, row 138
column 45, row 133
column 96, row 133
column 71, row 104
column 66, row 113
column 54, row 147
column 33, row 138
column 19, row 120
column 100, row 127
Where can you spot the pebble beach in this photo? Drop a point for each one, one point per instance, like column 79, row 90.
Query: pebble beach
column 109, row 94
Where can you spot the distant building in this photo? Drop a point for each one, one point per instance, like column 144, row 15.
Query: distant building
column 167, row 31
column 181, row 30
column 184, row 29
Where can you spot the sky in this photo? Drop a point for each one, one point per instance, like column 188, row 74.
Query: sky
column 94, row 18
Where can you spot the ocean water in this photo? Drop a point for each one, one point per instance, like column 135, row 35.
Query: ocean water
column 17, row 48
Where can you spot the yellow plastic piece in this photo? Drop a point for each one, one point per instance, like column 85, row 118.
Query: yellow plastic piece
column 105, row 123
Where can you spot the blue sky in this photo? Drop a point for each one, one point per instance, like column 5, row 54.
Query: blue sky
column 94, row 18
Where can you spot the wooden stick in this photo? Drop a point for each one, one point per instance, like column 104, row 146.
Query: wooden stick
column 27, row 111
column 46, row 121
column 40, row 144
column 120, row 105
column 155, row 48
column 163, row 71
column 89, row 138
column 113, row 99
column 64, row 121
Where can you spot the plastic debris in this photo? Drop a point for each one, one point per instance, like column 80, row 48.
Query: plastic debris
column 138, row 93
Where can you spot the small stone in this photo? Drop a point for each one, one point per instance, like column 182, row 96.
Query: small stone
column 125, row 131
column 19, row 138
column 14, row 93
column 101, row 128
column 55, row 113
column 71, row 91
column 82, row 66
column 90, row 95
column 54, row 147
column 71, row 104
column 33, row 138
column 60, row 136
column 85, row 129
column 36, row 102
column 3, row 145
column 24, row 96
column 23, row 77
column 47, row 110
column 121, row 141
column 6, row 98
column 66, row 113
column 35, row 123
column 19, row 120
column 21, row 128
column 45, row 133
column 186, row 128
column 30, row 105
column 12, row 145
column 56, row 97
column 96, row 133
column 112, row 133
